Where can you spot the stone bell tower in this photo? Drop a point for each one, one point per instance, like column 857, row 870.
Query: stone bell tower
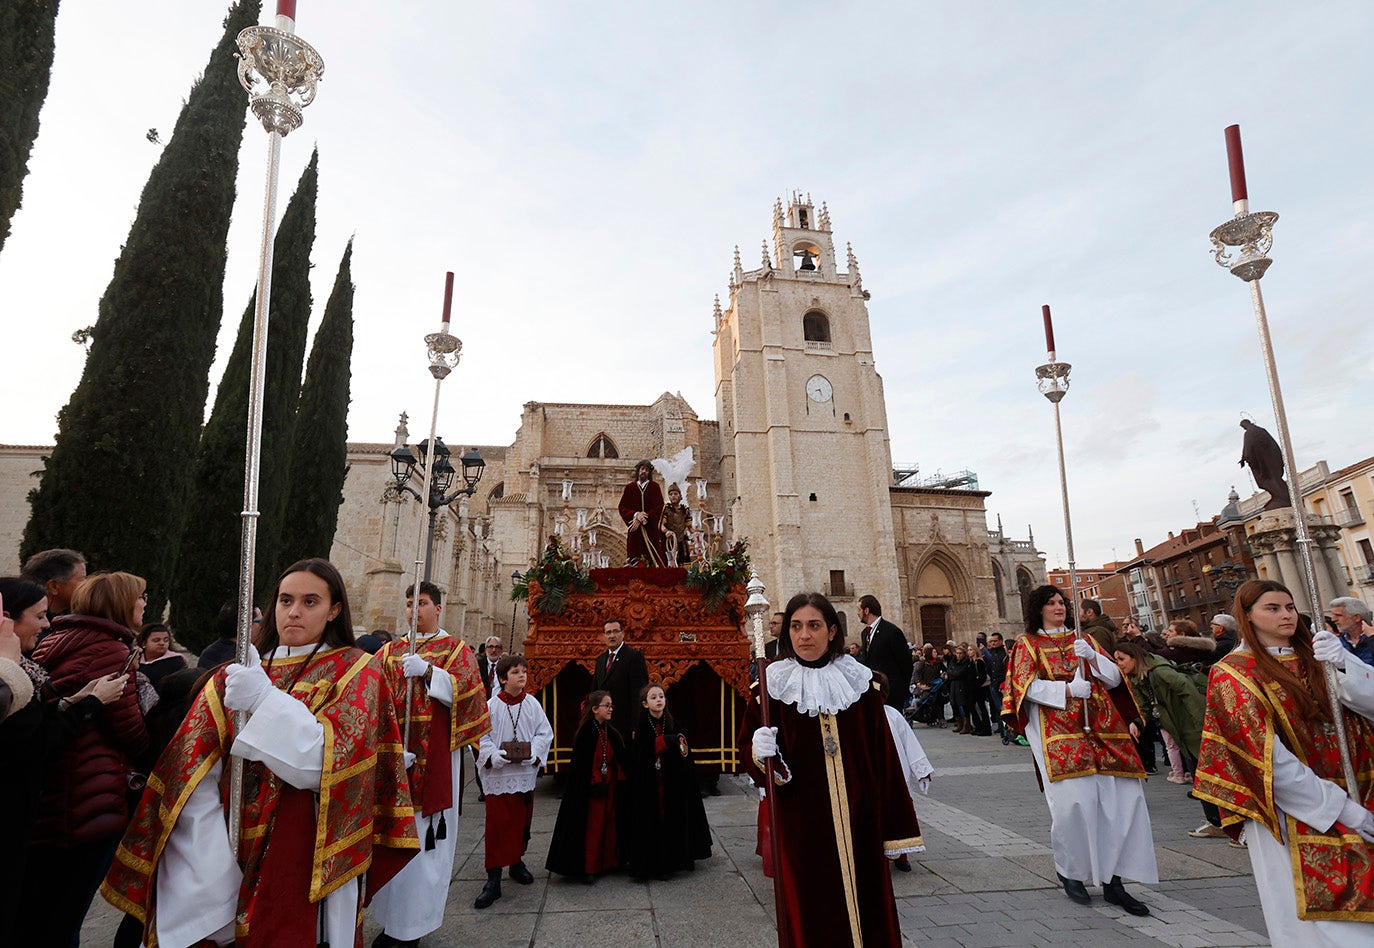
column 805, row 465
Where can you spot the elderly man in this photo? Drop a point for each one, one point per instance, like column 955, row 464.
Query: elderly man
column 1353, row 621
column 1224, row 631
column 486, row 664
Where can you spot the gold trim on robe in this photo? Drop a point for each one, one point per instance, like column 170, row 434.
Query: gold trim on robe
column 1333, row 871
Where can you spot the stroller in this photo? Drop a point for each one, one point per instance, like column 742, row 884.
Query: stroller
column 926, row 709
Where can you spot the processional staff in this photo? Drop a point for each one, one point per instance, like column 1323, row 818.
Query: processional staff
column 1253, row 233
column 1052, row 379
column 444, row 352
column 292, row 69
column 756, row 606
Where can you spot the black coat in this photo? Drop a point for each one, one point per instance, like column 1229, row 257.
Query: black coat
column 568, row 848
column 889, row 653
column 668, row 829
column 624, row 681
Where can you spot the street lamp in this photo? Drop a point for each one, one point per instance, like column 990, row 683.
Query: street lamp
column 404, row 462
column 515, row 579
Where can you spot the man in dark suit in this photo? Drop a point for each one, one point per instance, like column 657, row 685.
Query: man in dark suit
column 884, row 648
column 770, row 647
column 486, row 664
column 621, row 671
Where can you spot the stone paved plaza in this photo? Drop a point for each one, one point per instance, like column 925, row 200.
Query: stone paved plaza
column 987, row 878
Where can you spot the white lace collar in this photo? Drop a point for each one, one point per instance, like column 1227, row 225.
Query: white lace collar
column 829, row 689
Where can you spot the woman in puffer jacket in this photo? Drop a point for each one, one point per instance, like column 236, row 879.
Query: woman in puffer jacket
column 85, row 804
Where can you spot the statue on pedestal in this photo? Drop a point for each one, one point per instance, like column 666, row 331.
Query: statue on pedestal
column 1262, row 453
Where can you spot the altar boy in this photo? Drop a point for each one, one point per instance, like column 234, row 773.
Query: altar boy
column 509, row 759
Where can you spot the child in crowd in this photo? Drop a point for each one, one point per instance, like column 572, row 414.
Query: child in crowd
column 587, row 837
column 916, row 769
column 668, row 829
column 510, row 756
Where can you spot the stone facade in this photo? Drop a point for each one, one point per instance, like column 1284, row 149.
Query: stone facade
column 798, row 463
column 19, row 466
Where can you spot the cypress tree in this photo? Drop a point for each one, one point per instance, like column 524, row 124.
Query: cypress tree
column 26, row 48
column 207, row 566
column 319, row 450
column 115, row 484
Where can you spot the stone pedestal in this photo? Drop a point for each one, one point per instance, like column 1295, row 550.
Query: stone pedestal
column 1275, row 547
column 383, row 606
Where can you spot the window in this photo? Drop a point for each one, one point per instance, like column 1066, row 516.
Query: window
column 837, row 583
column 497, row 492
column 1367, row 551
column 997, row 587
column 816, row 330
column 602, row 447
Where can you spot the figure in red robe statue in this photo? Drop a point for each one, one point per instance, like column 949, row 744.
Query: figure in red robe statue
column 641, row 507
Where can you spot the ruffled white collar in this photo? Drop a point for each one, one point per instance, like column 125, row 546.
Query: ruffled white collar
column 828, row 689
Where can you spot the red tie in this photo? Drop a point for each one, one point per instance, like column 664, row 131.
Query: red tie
column 609, row 662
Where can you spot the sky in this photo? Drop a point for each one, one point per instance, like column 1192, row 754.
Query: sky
column 586, row 171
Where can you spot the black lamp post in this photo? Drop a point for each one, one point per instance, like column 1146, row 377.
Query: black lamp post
column 515, row 579
column 404, row 462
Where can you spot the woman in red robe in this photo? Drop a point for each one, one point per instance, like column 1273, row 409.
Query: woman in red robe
column 1270, row 761
column 327, row 816
column 841, row 802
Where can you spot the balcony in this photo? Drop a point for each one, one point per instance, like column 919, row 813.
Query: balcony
column 1366, row 573
column 1349, row 516
column 839, row 590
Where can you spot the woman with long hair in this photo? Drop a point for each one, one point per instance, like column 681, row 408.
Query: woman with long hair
column 326, row 802
column 1270, row 761
column 85, row 803
column 1091, row 774
column 589, row 836
column 839, row 797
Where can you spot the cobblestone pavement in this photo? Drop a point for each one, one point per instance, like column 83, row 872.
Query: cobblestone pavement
column 987, row 878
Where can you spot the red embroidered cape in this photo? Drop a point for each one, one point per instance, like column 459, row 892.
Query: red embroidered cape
column 1108, row 750
column 463, row 724
column 363, row 821
column 1333, row 871
column 648, row 501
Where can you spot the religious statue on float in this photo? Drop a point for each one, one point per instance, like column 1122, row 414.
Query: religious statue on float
column 641, row 507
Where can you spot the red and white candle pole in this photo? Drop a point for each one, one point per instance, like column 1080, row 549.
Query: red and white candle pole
column 1252, row 234
column 291, row 70
column 1052, row 379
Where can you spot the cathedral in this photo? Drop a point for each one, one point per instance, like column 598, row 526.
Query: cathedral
column 797, row 461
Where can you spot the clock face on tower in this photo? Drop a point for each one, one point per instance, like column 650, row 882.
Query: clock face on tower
column 819, row 389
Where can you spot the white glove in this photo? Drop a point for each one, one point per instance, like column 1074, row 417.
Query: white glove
column 409, row 759
column 1080, row 687
column 246, row 686
column 765, row 743
column 1328, row 648
column 1084, row 649
column 1358, row 820
column 923, row 785
column 500, row 758
column 414, row 666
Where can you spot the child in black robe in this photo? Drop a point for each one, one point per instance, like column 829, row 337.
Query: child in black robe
column 668, row 829
column 589, row 834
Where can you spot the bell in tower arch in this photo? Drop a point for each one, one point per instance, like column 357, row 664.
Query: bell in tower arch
column 808, row 259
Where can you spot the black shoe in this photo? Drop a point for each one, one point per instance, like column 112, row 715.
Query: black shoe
column 491, row 891
column 520, row 874
column 1076, row 891
column 1115, row 893
column 386, row 941
column 1152, row 771
column 902, row 864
